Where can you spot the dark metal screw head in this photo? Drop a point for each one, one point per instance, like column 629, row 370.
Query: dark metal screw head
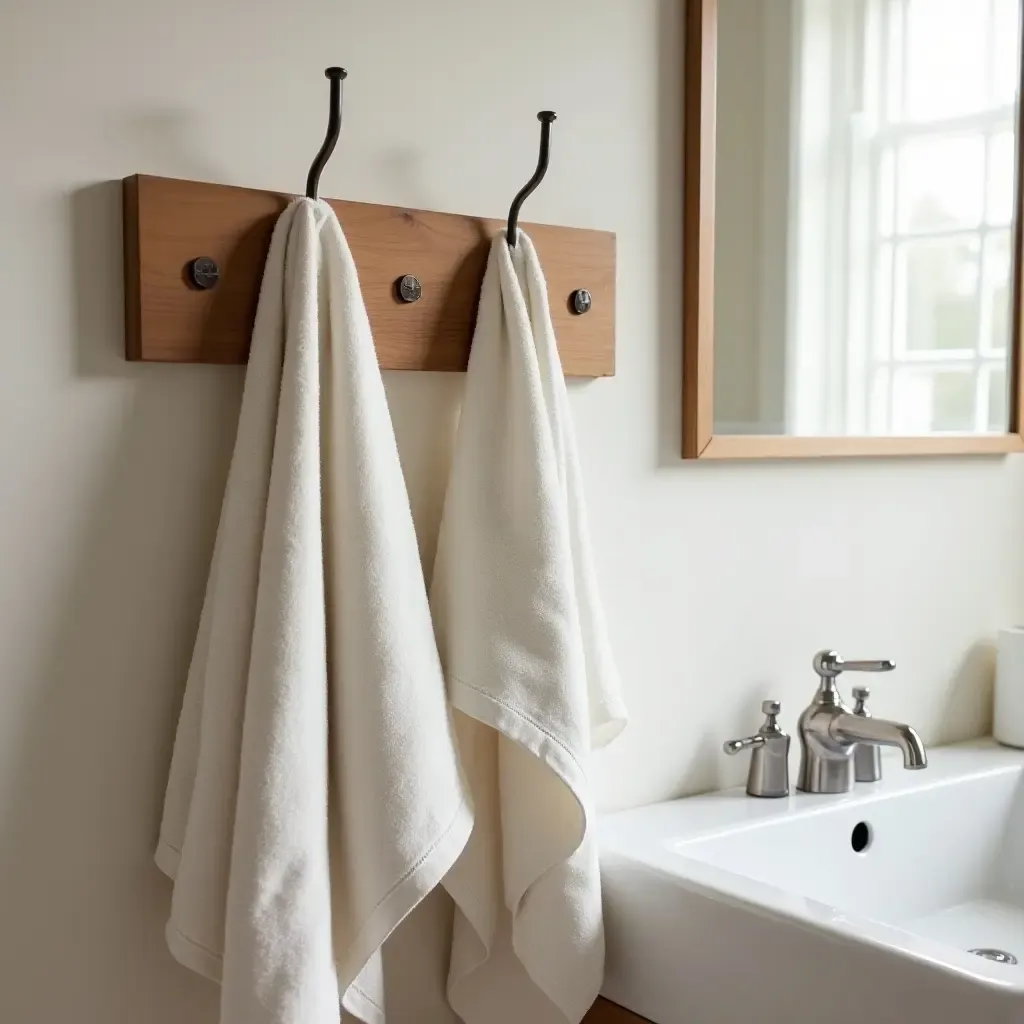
column 408, row 288
column 547, row 116
column 339, row 73
column 581, row 301
column 204, row 272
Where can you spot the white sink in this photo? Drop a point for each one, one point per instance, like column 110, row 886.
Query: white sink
column 723, row 908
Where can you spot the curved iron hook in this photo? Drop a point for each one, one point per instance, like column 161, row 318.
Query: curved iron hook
column 545, row 117
column 337, row 76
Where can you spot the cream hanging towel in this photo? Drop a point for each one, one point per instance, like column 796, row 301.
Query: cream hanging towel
column 314, row 795
column 529, row 670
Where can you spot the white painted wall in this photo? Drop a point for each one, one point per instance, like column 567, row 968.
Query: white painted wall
column 721, row 581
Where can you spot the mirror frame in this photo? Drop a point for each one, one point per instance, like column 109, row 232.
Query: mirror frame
column 699, row 439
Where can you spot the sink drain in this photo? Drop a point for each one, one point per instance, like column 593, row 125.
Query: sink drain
column 1000, row 956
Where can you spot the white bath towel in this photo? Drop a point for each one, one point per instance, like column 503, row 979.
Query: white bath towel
column 529, row 670
column 314, row 795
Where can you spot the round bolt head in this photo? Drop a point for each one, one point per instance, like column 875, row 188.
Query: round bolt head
column 409, row 288
column 581, row 301
column 771, row 707
column 204, row 272
column 861, row 692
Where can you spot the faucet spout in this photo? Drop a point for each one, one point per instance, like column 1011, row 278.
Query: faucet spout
column 847, row 728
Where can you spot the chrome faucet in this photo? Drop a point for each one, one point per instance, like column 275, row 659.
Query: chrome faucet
column 769, row 760
column 830, row 732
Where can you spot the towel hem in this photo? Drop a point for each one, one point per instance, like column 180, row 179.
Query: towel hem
column 196, row 957
column 403, row 898
column 407, row 894
column 167, row 858
column 356, row 1003
column 193, row 955
column 518, row 725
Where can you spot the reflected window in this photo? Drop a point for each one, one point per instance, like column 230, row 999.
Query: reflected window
column 904, row 115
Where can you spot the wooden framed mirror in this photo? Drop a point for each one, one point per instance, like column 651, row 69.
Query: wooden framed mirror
column 853, row 229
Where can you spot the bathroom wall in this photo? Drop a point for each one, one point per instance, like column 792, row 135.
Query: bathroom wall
column 721, row 581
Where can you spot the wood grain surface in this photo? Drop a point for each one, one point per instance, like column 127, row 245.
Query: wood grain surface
column 170, row 222
column 604, row 1012
column 699, row 114
column 738, row 447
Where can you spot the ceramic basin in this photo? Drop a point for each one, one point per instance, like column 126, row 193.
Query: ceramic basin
column 825, row 909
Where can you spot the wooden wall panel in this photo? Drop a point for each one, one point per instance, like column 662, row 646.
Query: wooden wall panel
column 168, row 223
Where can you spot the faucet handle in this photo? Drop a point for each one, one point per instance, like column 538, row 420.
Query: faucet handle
column 861, row 694
column 769, row 765
column 769, row 730
column 867, row 757
column 732, row 747
column 830, row 665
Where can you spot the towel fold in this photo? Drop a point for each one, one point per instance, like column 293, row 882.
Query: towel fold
column 530, row 674
column 314, row 795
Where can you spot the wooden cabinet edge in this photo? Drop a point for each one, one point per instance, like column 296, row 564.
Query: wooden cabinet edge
column 131, row 268
column 605, row 1012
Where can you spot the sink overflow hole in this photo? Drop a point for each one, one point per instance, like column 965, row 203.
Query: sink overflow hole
column 1000, row 956
column 860, row 839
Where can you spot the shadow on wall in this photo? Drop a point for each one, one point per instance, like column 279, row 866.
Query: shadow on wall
column 82, row 903
column 967, row 707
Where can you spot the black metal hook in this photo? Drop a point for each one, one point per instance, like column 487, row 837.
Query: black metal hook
column 337, row 76
column 545, row 117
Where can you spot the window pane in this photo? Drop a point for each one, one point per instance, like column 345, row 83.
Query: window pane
column 933, row 401
column 881, row 301
column 996, row 292
column 887, row 192
column 941, row 183
column 936, row 302
column 878, row 404
column 998, row 420
column 946, row 58
column 894, row 65
column 1006, row 45
column 1000, row 179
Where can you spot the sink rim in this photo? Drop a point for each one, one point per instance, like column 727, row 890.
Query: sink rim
column 657, row 836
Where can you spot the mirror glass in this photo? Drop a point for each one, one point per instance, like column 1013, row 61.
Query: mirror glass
column 865, row 195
